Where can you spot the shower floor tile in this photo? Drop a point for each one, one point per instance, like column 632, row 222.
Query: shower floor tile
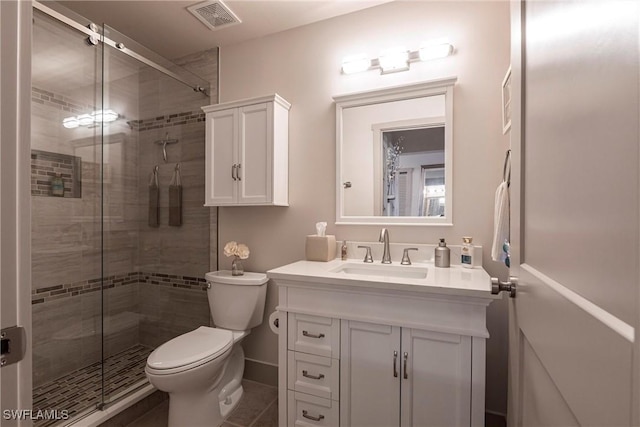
column 82, row 389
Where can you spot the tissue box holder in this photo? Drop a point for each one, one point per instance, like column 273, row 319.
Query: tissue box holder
column 320, row 248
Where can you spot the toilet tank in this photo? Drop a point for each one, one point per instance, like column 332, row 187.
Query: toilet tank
column 236, row 302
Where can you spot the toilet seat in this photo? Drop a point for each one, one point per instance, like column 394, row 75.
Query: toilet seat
column 190, row 350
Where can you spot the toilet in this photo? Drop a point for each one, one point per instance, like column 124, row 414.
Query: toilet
column 202, row 369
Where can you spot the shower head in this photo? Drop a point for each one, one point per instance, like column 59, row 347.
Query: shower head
column 164, row 142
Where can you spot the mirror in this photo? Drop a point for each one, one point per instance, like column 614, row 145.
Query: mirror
column 394, row 155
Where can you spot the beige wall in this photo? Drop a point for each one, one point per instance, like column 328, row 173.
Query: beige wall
column 303, row 65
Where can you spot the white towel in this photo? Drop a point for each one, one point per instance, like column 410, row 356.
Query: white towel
column 500, row 222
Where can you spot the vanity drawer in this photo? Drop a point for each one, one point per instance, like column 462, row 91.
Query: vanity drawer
column 307, row 410
column 316, row 375
column 314, row 335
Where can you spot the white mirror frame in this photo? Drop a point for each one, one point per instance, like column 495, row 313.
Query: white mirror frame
column 390, row 94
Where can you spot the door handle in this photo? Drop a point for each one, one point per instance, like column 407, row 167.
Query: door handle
column 233, row 172
column 395, row 364
column 406, row 356
column 510, row 286
column 238, row 172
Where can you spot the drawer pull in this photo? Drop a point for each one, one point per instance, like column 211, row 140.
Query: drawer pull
column 313, row 377
column 395, row 364
column 307, row 334
column 311, row 417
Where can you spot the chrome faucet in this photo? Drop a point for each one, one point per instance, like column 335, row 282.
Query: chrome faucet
column 384, row 238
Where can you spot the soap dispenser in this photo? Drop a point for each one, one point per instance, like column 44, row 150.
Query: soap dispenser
column 442, row 254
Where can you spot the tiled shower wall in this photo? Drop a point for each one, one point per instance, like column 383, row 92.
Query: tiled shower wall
column 153, row 277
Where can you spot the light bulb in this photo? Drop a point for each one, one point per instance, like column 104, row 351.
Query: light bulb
column 85, row 119
column 435, row 50
column 70, row 122
column 394, row 59
column 355, row 63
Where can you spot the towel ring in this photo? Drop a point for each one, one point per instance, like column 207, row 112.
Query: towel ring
column 506, row 173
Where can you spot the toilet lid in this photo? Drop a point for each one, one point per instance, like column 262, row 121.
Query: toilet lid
column 190, row 348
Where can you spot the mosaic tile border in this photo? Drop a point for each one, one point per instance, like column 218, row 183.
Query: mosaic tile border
column 66, row 290
column 63, row 103
column 169, row 120
column 174, row 281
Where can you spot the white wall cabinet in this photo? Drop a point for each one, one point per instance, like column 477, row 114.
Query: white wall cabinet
column 247, row 152
column 355, row 356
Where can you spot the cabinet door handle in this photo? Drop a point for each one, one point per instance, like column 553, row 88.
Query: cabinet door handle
column 395, row 364
column 406, row 356
column 305, row 414
column 307, row 334
column 233, row 172
column 313, row 377
column 238, row 172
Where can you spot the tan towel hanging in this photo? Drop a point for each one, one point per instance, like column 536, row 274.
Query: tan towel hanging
column 154, row 199
column 175, row 198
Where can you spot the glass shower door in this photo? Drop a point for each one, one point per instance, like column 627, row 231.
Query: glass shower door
column 151, row 290
column 66, row 158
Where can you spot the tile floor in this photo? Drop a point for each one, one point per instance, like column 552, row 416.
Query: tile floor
column 258, row 408
column 82, row 389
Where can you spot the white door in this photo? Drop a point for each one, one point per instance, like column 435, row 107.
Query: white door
column 255, row 154
column 574, row 216
column 370, row 375
column 436, row 379
column 222, row 154
column 15, row 219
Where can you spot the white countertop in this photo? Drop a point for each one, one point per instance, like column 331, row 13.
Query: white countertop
column 454, row 280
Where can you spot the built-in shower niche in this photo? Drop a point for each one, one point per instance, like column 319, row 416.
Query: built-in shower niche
column 47, row 166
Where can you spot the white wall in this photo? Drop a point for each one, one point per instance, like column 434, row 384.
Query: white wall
column 303, row 65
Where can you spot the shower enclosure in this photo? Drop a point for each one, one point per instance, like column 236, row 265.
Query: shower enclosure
column 107, row 287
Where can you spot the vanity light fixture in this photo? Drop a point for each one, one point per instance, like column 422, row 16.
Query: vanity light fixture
column 398, row 58
column 98, row 116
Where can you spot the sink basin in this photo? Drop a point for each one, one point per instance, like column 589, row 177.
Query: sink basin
column 382, row 270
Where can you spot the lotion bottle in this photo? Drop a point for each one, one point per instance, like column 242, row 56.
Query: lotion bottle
column 466, row 258
column 343, row 250
column 442, row 254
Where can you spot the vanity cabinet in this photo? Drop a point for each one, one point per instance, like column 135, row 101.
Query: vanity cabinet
column 246, row 151
column 417, row 377
column 366, row 352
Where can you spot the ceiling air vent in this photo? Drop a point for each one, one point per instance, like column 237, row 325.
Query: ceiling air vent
column 214, row 14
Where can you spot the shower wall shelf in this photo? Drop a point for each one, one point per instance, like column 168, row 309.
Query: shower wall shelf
column 247, row 152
